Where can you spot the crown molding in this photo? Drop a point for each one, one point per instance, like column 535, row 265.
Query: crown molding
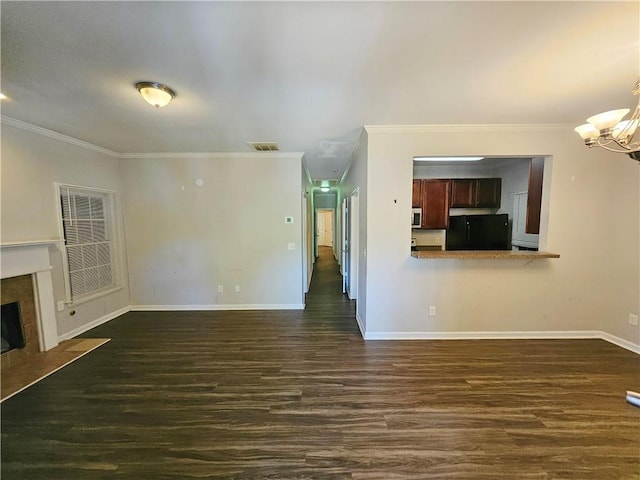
column 56, row 136
column 212, row 155
column 146, row 155
column 470, row 128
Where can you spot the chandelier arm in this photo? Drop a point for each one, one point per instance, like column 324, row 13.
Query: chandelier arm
column 620, row 149
column 630, row 126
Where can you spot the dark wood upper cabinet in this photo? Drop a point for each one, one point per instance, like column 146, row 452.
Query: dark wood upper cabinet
column 463, row 192
column 476, row 192
column 435, row 204
column 488, row 192
column 534, row 197
column 416, row 197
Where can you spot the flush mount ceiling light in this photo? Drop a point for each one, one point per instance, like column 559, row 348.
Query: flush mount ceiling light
column 447, row 159
column 155, row 94
column 608, row 130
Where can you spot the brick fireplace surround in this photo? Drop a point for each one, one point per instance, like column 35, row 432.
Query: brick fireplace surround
column 25, row 271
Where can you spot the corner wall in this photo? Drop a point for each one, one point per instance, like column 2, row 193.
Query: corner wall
column 593, row 216
column 31, row 163
column 357, row 176
column 195, row 223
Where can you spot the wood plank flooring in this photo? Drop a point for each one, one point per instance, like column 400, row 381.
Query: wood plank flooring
column 300, row 395
column 39, row 365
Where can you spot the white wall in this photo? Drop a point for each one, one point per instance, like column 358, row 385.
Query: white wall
column 357, row 177
column 308, row 254
column 592, row 215
column 31, row 163
column 515, row 179
column 183, row 240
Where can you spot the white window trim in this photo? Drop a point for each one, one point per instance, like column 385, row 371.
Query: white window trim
column 117, row 256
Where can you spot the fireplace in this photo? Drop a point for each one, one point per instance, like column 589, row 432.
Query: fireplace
column 26, row 281
column 19, row 321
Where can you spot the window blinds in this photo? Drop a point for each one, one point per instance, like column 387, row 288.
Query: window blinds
column 88, row 240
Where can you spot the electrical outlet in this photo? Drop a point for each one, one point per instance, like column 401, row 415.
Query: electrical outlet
column 220, row 289
column 633, row 319
column 432, row 311
column 237, row 288
column 60, row 305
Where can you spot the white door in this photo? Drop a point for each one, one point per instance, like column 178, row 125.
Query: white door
column 320, row 227
column 325, row 228
column 354, row 229
column 345, row 245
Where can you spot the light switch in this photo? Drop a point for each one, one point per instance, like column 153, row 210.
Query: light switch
column 288, row 219
column 291, row 246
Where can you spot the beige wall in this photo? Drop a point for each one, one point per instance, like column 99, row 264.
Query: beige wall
column 591, row 213
column 357, row 177
column 31, row 163
column 308, row 255
column 185, row 239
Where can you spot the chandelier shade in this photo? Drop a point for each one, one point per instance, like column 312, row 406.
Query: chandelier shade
column 609, row 130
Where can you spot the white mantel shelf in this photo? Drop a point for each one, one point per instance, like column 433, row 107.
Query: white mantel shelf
column 32, row 258
column 483, row 254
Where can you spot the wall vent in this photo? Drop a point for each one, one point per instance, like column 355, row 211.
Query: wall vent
column 264, row 146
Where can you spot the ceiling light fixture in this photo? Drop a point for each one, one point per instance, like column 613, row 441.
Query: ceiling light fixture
column 155, row 94
column 608, row 130
column 324, row 189
column 447, row 159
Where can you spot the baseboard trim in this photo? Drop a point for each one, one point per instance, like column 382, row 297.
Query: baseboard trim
column 514, row 335
column 481, row 335
column 84, row 328
column 632, row 347
column 173, row 308
column 361, row 326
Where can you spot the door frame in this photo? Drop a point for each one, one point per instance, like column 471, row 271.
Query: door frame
column 345, row 264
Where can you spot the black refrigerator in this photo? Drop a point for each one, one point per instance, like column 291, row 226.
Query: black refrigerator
column 478, row 232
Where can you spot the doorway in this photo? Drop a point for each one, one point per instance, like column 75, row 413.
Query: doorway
column 350, row 244
column 324, row 227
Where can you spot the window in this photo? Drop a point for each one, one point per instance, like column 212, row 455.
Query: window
column 88, row 226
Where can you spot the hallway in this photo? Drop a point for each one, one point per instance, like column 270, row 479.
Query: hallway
column 325, row 301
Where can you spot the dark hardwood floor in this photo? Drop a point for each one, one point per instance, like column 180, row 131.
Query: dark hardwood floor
column 300, row 395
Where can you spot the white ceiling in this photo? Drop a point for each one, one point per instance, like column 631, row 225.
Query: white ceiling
column 309, row 75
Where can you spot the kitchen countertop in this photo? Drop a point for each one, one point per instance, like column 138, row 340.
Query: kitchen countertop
column 482, row 254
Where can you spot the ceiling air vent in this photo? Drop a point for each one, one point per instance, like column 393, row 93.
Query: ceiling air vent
column 264, row 146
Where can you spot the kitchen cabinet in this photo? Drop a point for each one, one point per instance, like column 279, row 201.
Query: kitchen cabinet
column 534, row 200
column 416, row 197
column 475, row 192
column 435, row 204
column 462, row 192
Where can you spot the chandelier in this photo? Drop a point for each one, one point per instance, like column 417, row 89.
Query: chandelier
column 609, row 131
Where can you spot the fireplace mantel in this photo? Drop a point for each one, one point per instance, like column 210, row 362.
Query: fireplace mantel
column 32, row 258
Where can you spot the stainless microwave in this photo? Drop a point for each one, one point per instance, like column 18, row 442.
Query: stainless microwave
column 416, row 217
